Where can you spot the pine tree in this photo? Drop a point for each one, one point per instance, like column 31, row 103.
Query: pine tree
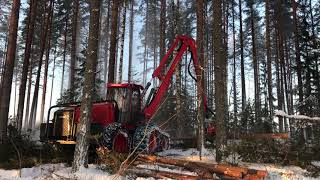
column 4, row 21
column 26, row 59
column 74, row 45
column 123, row 31
column 43, row 40
column 297, row 50
column 200, row 75
column 81, row 149
column 220, row 84
column 162, row 37
column 235, row 99
column 65, row 46
column 106, row 37
column 130, row 41
column 46, row 64
column 252, row 18
column 243, row 79
column 269, row 63
column 5, row 90
column 113, row 41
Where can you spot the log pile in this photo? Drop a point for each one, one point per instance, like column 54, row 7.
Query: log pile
column 196, row 170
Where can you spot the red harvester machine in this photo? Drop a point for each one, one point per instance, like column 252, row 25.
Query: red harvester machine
column 122, row 120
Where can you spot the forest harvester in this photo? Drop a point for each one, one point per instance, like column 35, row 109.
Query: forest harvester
column 122, row 121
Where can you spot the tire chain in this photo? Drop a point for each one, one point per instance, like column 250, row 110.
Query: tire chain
column 108, row 134
column 139, row 135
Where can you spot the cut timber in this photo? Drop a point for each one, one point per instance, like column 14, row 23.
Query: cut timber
column 160, row 174
column 266, row 136
column 202, row 172
column 206, row 170
column 273, row 135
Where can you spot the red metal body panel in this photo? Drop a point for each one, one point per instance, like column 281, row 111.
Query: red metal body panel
column 102, row 113
column 187, row 44
column 211, row 130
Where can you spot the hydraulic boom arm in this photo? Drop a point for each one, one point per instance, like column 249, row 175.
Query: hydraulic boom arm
column 187, row 44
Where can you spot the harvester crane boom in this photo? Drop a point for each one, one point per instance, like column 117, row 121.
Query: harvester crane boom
column 186, row 44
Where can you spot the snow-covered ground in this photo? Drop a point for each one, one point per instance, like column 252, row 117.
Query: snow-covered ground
column 55, row 171
column 60, row 171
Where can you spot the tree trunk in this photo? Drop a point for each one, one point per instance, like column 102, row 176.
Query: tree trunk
column 255, row 70
column 235, row 100
column 64, row 52
column 26, row 116
column 278, row 81
column 117, row 44
column 281, row 65
column 225, row 54
column 106, row 48
column 219, row 74
column 179, row 132
column 130, row 42
column 2, row 62
column 74, row 47
column 26, row 60
column 315, row 45
column 287, row 85
column 53, row 70
column 81, row 149
column 46, row 66
column 5, row 90
column 113, row 42
column 297, row 51
column 123, row 31
column 269, row 61
column 43, row 40
column 145, row 61
column 200, row 76
column 243, row 77
column 15, row 98
column 162, row 28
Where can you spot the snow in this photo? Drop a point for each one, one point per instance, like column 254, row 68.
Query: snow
column 316, row 163
column 190, row 154
column 277, row 172
column 297, row 117
column 61, row 171
column 38, row 172
column 159, row 168
column 56, row 171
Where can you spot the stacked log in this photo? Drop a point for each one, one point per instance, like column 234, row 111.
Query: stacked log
column 202, row 169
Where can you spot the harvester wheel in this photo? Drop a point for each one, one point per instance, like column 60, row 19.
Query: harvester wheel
column 146, row 139
column 164, row 142
column 108, row 135
column 153, row 142
column 121, row 142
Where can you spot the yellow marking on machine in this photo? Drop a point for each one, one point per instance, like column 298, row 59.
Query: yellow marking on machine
column 66, row 142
